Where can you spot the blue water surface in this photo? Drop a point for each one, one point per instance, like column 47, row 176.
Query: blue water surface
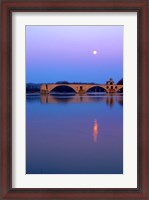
column 74, row 134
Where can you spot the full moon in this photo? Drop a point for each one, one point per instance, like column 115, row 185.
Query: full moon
column 94, row 52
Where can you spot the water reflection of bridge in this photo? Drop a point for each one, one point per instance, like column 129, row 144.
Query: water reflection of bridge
column 107, row 98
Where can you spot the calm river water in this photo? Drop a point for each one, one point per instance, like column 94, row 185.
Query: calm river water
column 74, row 134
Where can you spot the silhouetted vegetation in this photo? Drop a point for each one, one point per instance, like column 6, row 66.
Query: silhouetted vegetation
column 62, row 82
column 120, row 82
column 32, row 87
column 66, row 82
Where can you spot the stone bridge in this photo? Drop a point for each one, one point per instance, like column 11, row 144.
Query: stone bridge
column 82, row 88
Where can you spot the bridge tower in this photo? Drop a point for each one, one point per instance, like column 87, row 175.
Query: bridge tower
column 110, row 86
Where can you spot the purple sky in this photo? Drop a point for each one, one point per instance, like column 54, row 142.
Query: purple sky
column 65, row 53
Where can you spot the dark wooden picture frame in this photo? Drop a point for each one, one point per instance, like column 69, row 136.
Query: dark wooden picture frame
column 9, row 6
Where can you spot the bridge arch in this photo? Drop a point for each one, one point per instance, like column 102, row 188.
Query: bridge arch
column 95, row 86
column 59, row 86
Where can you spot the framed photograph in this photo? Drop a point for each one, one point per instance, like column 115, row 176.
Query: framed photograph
column 74, row 99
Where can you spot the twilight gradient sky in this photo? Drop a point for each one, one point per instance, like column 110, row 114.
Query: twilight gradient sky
column 65, row 53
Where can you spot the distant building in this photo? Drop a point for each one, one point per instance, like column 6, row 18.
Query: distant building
column 110, row 82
